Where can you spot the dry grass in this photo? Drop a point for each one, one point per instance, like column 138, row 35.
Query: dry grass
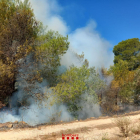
column 54, row 136
column 123, row 123
column 112, row 138
column 136, row 130
column 105, row 137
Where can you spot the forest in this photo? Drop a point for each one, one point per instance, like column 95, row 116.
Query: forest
column 31, row 70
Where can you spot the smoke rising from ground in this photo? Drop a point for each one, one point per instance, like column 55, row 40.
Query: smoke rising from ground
column 85, row 39
column 36, row 112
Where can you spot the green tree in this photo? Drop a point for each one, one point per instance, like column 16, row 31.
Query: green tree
column 49, row 49
column 129, row 51
column 71, row 86
column 122, row 80
column 76, row 82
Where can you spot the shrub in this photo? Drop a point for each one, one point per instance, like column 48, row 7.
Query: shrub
column 123, row 123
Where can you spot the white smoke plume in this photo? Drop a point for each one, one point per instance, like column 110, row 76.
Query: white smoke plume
column 85, row 39
column 95, row 48
column 47, row 11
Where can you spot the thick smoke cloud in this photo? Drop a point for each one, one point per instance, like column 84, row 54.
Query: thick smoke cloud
column 95, row 48
column 85, row 39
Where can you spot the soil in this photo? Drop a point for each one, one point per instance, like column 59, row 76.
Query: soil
column 90, row 129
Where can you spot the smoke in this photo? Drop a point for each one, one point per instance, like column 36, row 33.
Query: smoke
column 85, row 39
column 89, row 108
column 95, row 48
column 36, row 113
column 48, row 12
column 70, row 58
column 33, row 102
column 25, row 107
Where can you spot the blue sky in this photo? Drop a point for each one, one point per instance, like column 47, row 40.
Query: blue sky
column 116, row 20
column 93, row 26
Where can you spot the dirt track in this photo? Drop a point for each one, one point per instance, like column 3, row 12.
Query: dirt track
column 92, row 129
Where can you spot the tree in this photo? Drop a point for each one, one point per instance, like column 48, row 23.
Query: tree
column 94, row 85
column 129, row 51
column 18, row 30
column 28, row 55
column 49, row 49
column 81, row 59
column 108, row 95
column 122, row 80
column 127, row 61
column 136, row 87
column 6, row 76
column 71, row 86
column 76, row 82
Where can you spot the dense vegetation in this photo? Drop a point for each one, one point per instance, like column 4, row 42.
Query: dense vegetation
column 29, row 56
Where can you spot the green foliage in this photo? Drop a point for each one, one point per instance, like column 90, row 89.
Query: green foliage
column 76, row 82
column 129, row 51
column 123, row 79
column 72, row 83
column 49, row 48
column 125, row 70
column 71, row 86
column 120, row 70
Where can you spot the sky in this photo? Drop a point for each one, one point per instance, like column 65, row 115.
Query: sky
column 116, row 20
column 93, row 26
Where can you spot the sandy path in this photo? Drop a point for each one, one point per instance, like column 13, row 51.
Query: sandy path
column 98, row 128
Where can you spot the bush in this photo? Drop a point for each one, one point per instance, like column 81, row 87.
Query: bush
column 123, row 123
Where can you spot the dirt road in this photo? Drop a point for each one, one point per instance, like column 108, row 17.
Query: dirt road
column 92, row 129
